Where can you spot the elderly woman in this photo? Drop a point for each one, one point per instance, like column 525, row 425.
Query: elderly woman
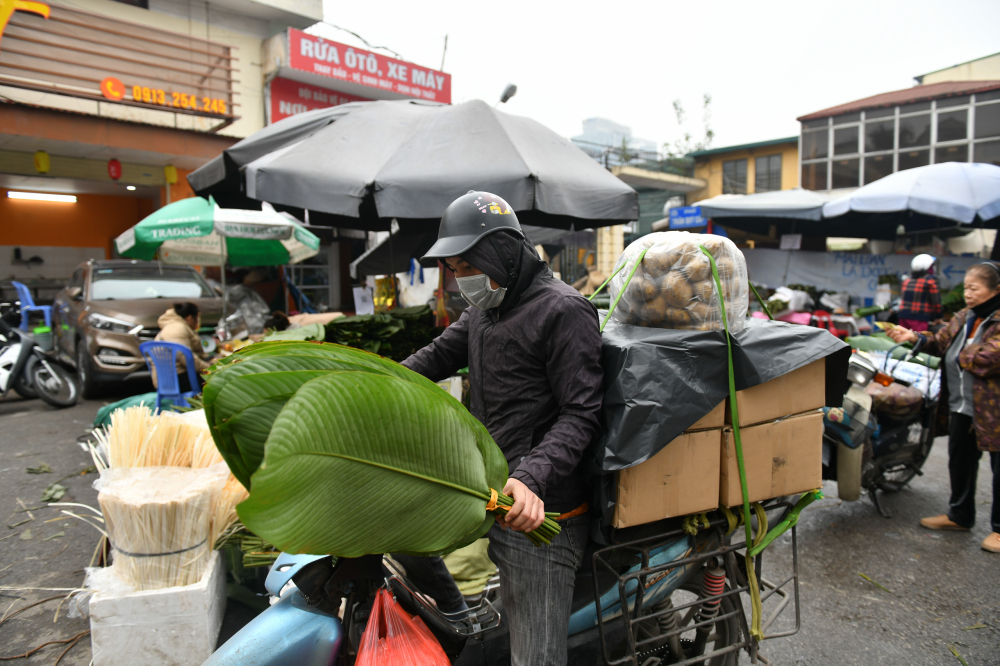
column 970, row 345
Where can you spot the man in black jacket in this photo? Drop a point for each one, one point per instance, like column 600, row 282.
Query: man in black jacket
column 533, row 350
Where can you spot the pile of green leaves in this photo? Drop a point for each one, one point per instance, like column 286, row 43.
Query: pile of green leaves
column 348, row 453
column 395, row 334
column 809, row 289
column 308, row 332
column 954, row 300
column 882, row 342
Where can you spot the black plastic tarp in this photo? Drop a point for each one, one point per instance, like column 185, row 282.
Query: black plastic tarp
column 659, row 382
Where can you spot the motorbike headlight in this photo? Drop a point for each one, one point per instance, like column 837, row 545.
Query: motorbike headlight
column 105, row 323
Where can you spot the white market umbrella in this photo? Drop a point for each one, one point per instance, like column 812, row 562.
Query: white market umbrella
column 956, row 191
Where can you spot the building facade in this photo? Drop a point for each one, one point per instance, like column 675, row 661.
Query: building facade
column 986, row 68
column 764, row 166
column 109, row 105
column 859, row 142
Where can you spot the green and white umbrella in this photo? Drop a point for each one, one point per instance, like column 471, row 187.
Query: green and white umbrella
column 197, row 231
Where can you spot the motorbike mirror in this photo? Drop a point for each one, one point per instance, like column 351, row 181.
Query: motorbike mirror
column 75, row 293
column 860, row 371
column 284, row 568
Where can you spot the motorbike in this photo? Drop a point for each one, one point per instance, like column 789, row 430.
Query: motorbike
column 880, row 449
column 31, row 371
column 657, row 594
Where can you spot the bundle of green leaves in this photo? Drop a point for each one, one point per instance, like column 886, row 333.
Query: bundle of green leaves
column 348, row 453
column 395, row 334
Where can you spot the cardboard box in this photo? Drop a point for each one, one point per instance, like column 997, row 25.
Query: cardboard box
column 782, row 457
column 794, row 393
column 714, row 419
column 175, row 626
column 682, row 478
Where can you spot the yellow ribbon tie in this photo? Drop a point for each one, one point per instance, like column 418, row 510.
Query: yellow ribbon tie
column 492, row 504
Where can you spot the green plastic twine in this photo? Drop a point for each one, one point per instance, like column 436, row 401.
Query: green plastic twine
column 755, row 628
column 790, row 520
column 621, row 292
column 605, row 283
column 760, row 300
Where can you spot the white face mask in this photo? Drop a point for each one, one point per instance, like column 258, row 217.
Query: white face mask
column 477, row 291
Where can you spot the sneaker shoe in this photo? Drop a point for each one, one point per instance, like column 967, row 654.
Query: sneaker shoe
column 942, row 522
column 992, row 543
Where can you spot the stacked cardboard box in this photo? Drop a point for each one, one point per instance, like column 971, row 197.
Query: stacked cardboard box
column 782, row 435
column 681, row 479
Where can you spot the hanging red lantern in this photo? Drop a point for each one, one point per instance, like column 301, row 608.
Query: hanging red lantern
column 114, row 169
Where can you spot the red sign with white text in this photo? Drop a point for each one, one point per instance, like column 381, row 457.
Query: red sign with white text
column 317, row 55
column 290, row 97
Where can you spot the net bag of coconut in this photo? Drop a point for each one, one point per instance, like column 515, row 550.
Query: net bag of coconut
column 664, row 280
column 159, row 522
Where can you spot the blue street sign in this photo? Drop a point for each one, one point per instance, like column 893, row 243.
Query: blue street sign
column 686, row 217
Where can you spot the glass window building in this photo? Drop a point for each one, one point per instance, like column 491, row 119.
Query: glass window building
column 857, row 143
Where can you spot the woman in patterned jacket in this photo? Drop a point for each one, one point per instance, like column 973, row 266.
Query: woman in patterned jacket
column 970, row 345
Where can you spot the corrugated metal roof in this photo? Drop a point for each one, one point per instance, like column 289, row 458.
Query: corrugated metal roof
column 744, row 146
column 906, row 96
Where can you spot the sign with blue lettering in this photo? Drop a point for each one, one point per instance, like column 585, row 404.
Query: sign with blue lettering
column 686, row 217
column 851, row 272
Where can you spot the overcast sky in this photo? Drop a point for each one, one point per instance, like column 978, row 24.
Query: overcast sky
column 764, row 63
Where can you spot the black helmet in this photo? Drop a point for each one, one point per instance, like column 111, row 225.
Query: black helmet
column 469, row 219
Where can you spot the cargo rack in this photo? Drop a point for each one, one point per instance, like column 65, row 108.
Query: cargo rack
column 656, row 649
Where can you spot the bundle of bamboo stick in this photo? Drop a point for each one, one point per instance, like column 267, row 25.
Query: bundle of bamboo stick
column 164, row 498
column 158, row 521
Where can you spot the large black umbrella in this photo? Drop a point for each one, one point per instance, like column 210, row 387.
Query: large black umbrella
column 364, row 164
column 393, row 255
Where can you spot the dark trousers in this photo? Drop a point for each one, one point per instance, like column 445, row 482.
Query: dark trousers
column 185, row 384
column 963, row 466
column 431, row 577
column 536, row 586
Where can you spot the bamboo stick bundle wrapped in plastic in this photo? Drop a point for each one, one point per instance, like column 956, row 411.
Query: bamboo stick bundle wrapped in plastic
column 159, row 522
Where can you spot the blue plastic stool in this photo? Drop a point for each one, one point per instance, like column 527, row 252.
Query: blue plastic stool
column 28, row 305
column 163, row 356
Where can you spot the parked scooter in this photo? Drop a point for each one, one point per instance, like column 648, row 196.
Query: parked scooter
column 681, row 594
column 31, row 371
column 880, row 450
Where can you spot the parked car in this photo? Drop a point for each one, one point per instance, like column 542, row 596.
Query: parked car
column 109, row 307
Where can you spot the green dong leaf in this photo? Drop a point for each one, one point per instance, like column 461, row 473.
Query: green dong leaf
column 362, row 462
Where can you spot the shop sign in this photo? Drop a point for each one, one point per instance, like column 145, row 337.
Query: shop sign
column 291, row 97
column 316, row 55
column 8, row 7
column 68, row 51
column 846, row 272
column 686, row 217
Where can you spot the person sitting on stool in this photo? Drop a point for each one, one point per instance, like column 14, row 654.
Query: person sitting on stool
column 180, row 325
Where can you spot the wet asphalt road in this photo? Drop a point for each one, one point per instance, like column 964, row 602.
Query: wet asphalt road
column 943, row 587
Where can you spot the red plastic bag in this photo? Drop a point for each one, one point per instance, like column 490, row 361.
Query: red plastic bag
column 393, row 637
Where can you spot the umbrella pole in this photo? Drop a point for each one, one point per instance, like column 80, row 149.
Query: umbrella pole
column 392, row 274
column 222, row 275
